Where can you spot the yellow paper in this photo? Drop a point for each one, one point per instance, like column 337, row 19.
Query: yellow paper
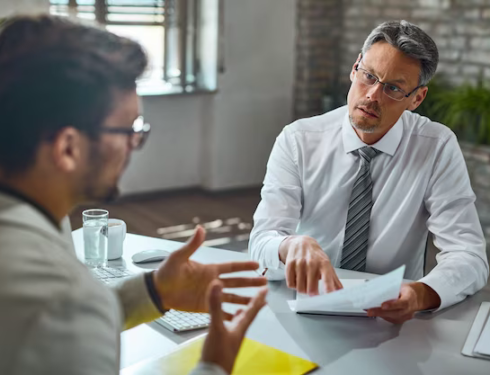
column 253, row 358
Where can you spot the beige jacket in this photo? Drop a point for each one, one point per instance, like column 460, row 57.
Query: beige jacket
column 54, row 317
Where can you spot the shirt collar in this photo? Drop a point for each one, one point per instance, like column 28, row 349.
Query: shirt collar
column 388, row 144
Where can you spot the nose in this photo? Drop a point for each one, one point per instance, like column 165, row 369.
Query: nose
column 374, row 92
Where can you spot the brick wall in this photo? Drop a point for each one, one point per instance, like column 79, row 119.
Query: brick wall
column 331, row 33
column 319, row 28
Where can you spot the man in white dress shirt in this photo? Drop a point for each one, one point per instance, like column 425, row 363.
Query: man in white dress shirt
column 361, row 187
column 70, row 120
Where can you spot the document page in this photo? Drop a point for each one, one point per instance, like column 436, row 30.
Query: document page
column 483, row 344
column 356, row 297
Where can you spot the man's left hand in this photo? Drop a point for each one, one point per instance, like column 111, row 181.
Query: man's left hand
column 413, row 297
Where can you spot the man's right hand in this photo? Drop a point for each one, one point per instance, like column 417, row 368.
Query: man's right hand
column 306, row 263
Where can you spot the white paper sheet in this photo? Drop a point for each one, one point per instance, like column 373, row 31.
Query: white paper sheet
column 346, row 283
column 356, row 297
column 483, row 344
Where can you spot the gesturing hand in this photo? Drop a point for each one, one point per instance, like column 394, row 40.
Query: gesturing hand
column 306, row 263
column 182, row 283
column 223, row 343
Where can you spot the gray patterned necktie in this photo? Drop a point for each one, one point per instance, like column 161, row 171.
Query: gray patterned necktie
column 356, row 237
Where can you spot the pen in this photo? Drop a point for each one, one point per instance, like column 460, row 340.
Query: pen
column 265, row 270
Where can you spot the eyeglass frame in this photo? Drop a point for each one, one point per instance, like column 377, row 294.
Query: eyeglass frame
column 139, row 127
column 357, row 68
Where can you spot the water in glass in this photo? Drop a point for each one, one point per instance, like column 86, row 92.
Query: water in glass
column 95, row 242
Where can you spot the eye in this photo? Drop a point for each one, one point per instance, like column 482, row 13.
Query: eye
column 393, row 88
column 369, row 76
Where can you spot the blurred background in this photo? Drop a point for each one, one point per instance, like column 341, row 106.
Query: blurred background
column 227, row 75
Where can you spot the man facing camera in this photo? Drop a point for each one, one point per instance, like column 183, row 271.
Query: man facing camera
column 362, row 186
column 70, row 120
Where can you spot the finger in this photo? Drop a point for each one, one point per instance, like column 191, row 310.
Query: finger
column 191, row 246
column 399, row 304
column 379, row 312
column 374, row 312
column 312, row 280
column 243, row 282
column 214, row 300
column 398, row 319
column 234, row 298
column 301, row 276
column 338, row 283
column 227, row 316
column 237, row 266
column 394, row 314
column 327, row 280
column 291, row 275
column 251, row 311
column 402, row 302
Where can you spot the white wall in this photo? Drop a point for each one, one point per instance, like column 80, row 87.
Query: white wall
column 223, row 140
column 8, row 7
column 255, row 93
column 172, row 156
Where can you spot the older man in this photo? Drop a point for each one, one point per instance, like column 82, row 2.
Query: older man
column 362, row 186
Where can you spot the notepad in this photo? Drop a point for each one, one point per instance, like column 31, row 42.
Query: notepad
column 253, row 358
column 354, row 298
column 478, row 341
column 482, row 346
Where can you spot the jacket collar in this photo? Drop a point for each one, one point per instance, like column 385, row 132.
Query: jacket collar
column 20, row 213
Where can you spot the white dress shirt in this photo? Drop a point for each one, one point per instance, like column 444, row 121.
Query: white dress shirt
column 420, row 184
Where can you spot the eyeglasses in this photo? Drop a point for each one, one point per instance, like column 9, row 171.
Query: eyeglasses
column 138, row 133
column 389, row 89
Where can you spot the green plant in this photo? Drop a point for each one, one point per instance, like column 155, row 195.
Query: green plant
column 465, row 109
column 438, row 87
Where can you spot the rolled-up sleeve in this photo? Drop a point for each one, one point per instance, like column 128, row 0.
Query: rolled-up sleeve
column 279, row 211
column 135, row 300
column 462, row 264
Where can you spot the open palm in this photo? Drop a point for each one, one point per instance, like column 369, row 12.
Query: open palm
column 183, row 283
column 223, row 342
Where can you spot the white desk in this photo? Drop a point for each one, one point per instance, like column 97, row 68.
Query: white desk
column 429, row 344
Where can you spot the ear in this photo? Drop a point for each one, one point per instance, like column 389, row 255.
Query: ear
column 353, row 71
column 418, row 98
column 67, row 150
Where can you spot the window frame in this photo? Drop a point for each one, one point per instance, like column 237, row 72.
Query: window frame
column 181, row 44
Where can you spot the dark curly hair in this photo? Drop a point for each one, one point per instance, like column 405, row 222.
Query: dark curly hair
column 56, row 73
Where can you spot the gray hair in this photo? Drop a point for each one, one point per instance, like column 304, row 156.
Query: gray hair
column 412, row 41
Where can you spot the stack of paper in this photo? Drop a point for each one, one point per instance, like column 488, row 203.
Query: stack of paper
column 478, row 341
column 354, row 298
column 482, row 346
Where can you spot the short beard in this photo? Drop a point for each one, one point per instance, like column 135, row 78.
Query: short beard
column 364, row 129
column 91, row 192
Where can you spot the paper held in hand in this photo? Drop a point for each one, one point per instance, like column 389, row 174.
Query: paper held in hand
column 356, row 296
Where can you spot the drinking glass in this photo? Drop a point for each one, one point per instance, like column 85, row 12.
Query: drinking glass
column 95, row 229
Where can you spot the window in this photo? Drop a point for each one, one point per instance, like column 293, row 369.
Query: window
column 179, row 36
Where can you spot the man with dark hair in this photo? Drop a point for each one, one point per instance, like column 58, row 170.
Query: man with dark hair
column 361, row 187
column 70, row 120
